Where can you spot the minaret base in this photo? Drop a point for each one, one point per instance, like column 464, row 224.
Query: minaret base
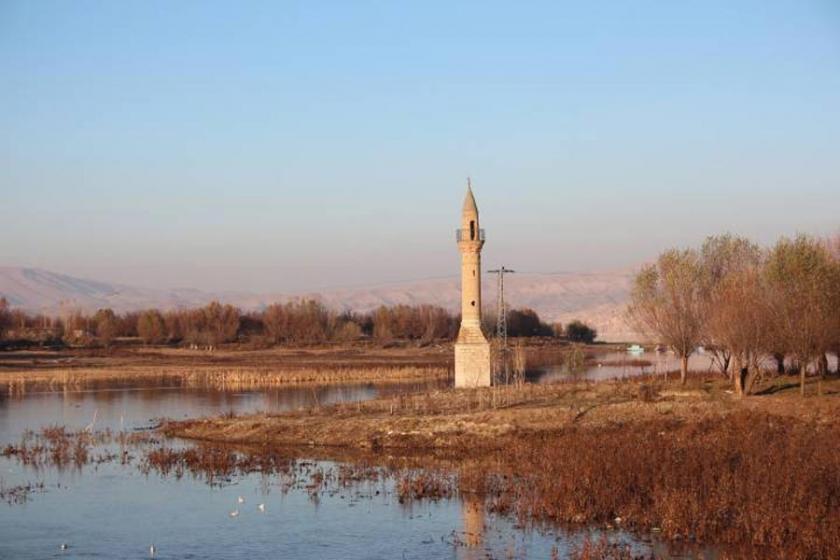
column 472, row 364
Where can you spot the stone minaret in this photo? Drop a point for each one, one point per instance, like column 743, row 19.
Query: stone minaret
column 472, row 351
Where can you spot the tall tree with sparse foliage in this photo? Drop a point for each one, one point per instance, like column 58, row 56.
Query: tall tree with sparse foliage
column 106, row 326
column 4, row 316
column 722, row 257
column 801, row 277
column 667, row 303
column 738, row 318
column 150, row 327
column 218, row 323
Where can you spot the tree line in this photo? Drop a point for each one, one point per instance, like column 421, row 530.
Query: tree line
column 745, row 303
column 297, row 322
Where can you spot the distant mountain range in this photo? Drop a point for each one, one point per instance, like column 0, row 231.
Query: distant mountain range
column 597, row 298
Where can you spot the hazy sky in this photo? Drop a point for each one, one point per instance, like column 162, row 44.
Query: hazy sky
column 284, row 146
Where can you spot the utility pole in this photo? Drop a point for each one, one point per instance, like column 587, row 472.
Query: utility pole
column 501, row 321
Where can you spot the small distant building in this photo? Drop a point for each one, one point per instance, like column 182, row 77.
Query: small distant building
column 472, row 350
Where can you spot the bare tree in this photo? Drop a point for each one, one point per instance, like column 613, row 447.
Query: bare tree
column 305, row 321
column 173, row 326
column 220, row 323
column 310, row 321
column 667, row 303
column 276, row 322
column 106, row 326
column 721, row 257
column 382, row 324
column 150, row 327
column 5, row 318
column 833, row 246
column 437, row 322
column 738, row 317
column 347, row 331
column 72, row 324
column 520, row 362
column 801, row 278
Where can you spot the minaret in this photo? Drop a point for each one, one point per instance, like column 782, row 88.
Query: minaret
column 472, row 351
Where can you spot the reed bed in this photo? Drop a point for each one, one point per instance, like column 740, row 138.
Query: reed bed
column 79, row 379
column 218, row 378
column 19, row 494
column 56, row 446
column 426, row 484
column 753, row 479
column 242, row 379
column 603, row 549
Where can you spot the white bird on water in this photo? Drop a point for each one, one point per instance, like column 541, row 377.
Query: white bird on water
column 234, row 513
column 152, row 550
column 261, row 507
column 89, row 427
column 63, row 546
column 240, row 500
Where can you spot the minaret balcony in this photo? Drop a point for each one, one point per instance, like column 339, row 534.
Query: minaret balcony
column 465, row 235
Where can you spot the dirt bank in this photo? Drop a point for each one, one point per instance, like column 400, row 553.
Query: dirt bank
column 486, row 418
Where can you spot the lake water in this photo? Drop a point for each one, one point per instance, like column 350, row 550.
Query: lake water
column 112, row 510
column 612, row 365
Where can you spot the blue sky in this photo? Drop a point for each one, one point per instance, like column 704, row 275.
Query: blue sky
column 287, row 146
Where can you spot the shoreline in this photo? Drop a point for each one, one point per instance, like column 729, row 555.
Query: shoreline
column 487, row 417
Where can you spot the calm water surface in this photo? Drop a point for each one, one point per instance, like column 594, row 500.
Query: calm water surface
column 611, row 365
column 115, row 511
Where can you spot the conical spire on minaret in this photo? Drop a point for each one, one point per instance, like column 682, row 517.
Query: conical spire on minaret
column 470, row 208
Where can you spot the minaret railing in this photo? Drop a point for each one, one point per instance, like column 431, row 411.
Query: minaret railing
column 464, row 235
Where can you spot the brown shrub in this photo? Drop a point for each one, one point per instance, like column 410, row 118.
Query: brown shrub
column 750, row 478
column 648, row 392
column 603, row 549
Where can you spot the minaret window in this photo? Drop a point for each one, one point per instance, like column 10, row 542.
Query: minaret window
column 472, row 230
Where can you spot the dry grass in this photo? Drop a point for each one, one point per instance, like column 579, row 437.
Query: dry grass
column 443, row 418
column 220, row 378
column 56, row 446
column 238, row 379
column 748, row 479
column 223, row 369
column 603, row 549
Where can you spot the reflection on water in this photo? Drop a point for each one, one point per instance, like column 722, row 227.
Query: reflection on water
column 472, row 509
column 133, row 408
column 614, row 365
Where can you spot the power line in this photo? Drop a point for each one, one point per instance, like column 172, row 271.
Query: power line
column 501, row 320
